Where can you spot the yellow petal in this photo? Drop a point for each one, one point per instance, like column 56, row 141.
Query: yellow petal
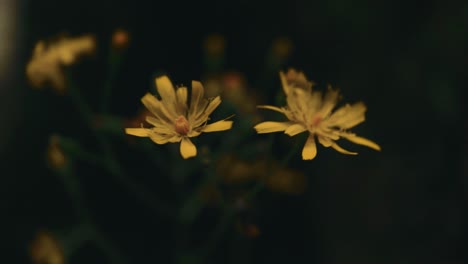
column 294, row 130
column 203, row 113
column 196, row 97
column 162, row 138
column 218, row 126
column 214, row 103
column 166, row 89
column 181, row 94
column 348, row 116
column 187, row 148
column 155, row 121
column 310, row 149
column 164, row 130
column 329, row 102
column 325, row 141
column 362, row 141
column 269, row 126
column 157, row 108
column 139, row 132
column 342, row 150
column 270, row 107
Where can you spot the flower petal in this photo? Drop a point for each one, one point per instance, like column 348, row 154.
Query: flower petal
column 362, row 141
column 164, row 130
column 157, row 108
column 214, row 103
column 187, row 148
column 342, row 150
column 139, row 132
column 218, row 126
column 196, row 97
column 310, row 149
column 155, row 121
column 269, row 126
column 270, row 107
column 348, row 116
column 329, row 102
column 325, row 141
column 163, row 138
column 205, row 112
column 166, row 90
column 294, row 130
column 182, row 95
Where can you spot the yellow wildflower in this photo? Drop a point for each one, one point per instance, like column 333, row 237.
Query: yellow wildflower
column 176, row 121
column 46, row 249
column 120, row 39
column 307, row 110
column 47, row 60
column 56, row 158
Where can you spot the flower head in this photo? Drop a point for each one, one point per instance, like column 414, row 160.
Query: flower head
column 175, row 119
column 309, row 111
column 48, row 59
column 46, row 249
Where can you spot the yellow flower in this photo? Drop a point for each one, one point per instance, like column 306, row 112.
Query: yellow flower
column 307, row 110
column 47, row 60
column 46, row 249
column 175, row 120
column 56, row 158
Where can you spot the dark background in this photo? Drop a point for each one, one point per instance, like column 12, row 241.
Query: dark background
column 406, row 60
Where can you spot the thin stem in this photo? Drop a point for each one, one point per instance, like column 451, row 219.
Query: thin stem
column 110, row 161
column 88, row 229
column 229, row 210
column 115, row 59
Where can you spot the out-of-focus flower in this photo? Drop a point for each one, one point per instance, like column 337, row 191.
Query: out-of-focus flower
column 234, row 171
column 214, row 45
column 45, row 249
column 248, row 229
column 48, row 59
column 211, row 195
column 233, row 87
column 174, row 120
column 55, row 156
column 275, row 177
column 282, row 47
column 120, row 39
column 284, row 180
column 308, row 111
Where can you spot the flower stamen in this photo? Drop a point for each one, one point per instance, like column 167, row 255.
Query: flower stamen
column 182, row 126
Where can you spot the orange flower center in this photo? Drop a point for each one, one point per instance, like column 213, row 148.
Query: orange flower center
column 182, row 126
column 316, row 120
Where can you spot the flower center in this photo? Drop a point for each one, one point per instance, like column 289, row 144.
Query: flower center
column 182, row 126
column 315, row 121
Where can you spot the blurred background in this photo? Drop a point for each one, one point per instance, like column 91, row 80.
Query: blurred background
column 407, row 61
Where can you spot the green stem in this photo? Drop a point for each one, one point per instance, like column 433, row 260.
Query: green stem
column 229, row 210
column 114, row 62
column 110, row 161
column 88, row 229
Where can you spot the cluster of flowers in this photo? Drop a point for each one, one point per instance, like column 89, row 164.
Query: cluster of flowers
column 179, row 115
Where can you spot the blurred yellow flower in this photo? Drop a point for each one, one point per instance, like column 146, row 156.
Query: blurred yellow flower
column 307, row 110
column 120, row 39
column 48, row 59
column 55, row 156
column 45, row 249
column 174, row 120
column 214, row 44
column 276, row 177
